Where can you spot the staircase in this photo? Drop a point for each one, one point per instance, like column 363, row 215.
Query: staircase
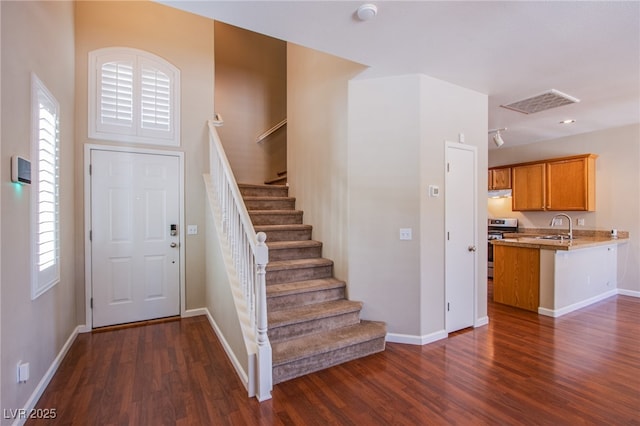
column 312, row 325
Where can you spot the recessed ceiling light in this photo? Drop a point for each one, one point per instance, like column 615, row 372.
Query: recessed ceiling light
column 567, row 121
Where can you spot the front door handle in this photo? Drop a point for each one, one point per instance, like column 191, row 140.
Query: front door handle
column 173, row 245
column 471, row 248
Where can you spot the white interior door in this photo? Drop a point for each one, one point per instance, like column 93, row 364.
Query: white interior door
column 460, row 252
column 135, row 259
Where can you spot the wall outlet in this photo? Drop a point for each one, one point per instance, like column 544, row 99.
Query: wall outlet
column 557, row 221
column 405, row 234
column 192, row 229
column 580, row 221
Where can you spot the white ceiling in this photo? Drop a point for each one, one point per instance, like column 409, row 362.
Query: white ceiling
column 509, row 50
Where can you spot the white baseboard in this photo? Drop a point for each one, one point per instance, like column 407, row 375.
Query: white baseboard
column 44, row 382
column 408, row 339
column 632, row 293
column 555, row 313
column 227, row 348
column 480, row 322
column 194, row 312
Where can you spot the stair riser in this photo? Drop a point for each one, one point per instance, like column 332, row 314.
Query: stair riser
column 299, row 274
column 295, row 253
column 313, row 326
column 308, row 298
column 276, row 219
column 297, row 235
column 321, row 361
column 269, row 191
column 284, row 204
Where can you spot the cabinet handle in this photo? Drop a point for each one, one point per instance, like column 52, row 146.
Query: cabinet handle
column 471, row 248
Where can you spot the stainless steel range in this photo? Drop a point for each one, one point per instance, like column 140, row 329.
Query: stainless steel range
column 496, row 230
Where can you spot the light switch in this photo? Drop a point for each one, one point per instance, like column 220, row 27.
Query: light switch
column 192, row 229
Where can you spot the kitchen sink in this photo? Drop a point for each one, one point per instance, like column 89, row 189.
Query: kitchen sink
column 554, row 237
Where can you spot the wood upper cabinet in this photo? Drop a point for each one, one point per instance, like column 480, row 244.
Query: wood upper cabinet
column 529, row 187
column 571, row 184
column 500, row 178
column 567, row 183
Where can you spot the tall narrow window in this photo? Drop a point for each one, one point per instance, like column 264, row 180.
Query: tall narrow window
column 134, row 96
column 45, row 190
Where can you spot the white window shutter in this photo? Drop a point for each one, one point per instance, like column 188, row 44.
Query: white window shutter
column 135, row 97
column 45, row 223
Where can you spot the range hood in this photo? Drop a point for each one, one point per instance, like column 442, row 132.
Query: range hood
column 500, row 193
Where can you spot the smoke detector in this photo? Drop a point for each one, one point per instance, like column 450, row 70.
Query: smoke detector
column 542, row 102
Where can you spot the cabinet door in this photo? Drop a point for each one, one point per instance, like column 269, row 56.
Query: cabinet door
column 528, row 187
column 501, row 178
column 516, row 277
column 568, row 186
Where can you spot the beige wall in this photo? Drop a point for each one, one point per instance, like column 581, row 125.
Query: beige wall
column 384, row 196
column 448, row 110
column 188, row 43
column 397, row 132
column 251, row 96
column 317, row 87
column 36, row 37
column 617, row 189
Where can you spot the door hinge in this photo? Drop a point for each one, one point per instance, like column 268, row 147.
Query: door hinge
column 90, row 235
column 90, row 169
column 448, row 236
column 91, row 303
column 447, row 307
column 448, row 167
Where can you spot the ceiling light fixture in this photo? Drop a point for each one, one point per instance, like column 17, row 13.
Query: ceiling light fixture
column 367, row 11
column 497, row 138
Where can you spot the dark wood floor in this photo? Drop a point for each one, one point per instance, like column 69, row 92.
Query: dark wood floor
column 583, row 368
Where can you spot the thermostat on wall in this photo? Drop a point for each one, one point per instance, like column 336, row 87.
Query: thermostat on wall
column 20, row 170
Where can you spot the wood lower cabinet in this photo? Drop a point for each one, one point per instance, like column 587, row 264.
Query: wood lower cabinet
column 516, row 276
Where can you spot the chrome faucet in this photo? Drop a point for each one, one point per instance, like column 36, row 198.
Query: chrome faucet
column 553, row 222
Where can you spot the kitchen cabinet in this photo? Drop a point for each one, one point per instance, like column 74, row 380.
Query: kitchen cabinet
column 560, row 184
column 516, row 277
column 500, row 178
column 571, row 184
column 529, row 183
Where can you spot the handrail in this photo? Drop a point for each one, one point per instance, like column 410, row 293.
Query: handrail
column 249, row 255
column 272, row 130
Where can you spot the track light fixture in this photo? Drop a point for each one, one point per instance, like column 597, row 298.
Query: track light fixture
column 497, row 137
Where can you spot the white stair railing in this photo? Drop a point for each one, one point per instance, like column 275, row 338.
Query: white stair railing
column 249, row 254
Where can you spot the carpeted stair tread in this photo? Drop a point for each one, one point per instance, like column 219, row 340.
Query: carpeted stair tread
column 269, row 203
column 287, row 227
column 298, row 287
column 275, row 217
column 312, row 312
column 281, row 265
column 252, row 190
column 324, row 342
column 283, row 245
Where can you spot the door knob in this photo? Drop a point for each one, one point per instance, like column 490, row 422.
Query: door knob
column 471, row 248
column 172, row 245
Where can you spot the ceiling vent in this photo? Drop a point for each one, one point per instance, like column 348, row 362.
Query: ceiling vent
column 544, row 101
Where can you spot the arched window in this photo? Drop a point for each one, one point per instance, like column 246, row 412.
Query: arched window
column 134, row 96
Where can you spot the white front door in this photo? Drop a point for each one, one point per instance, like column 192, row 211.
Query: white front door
column 460, row 252
column 135, row 259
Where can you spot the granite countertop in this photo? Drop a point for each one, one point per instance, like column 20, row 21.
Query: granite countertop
column 581, row 239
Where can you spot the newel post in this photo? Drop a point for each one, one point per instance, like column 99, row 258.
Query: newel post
column 264, row 363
